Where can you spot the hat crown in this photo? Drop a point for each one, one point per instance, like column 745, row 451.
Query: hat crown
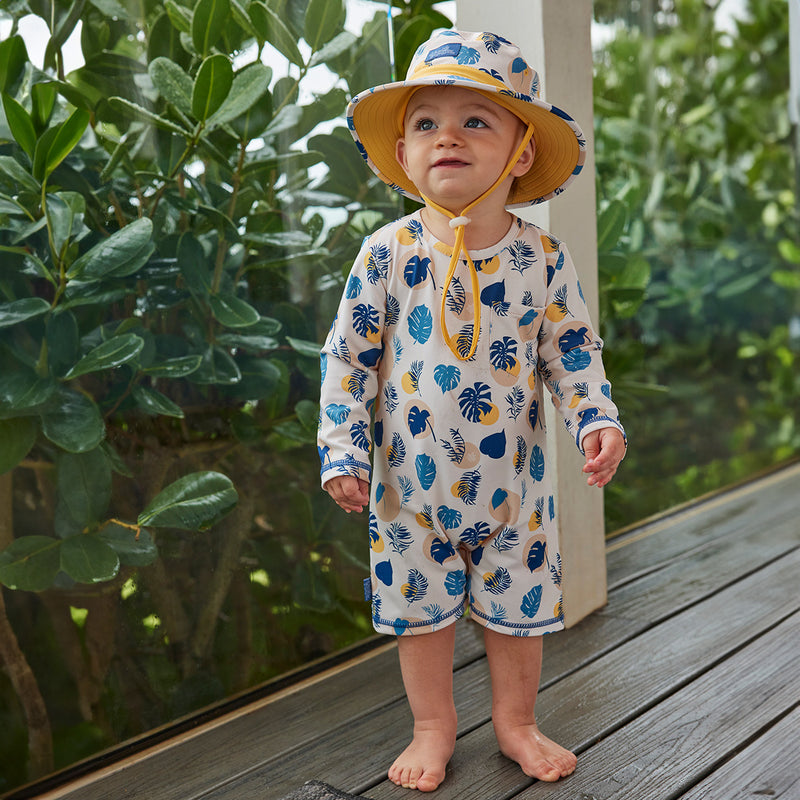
column 489, row 57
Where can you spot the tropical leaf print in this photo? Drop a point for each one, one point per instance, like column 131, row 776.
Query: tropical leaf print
column 456, row 296
column 492, row 42
column 390, row 398
column 499, row 612
column 396, row 451
column 474, row 535
column 417, row 586
column 420, row 324
column 531, row 602
column 341, row 350
column 399, row 537
column 418, row 421
column 551, row 507
column 533, row 414
column 397, row 347
column 442, row 550
column 354, row 384
column 392, row 311
column 359, row 435
column 502, row 353
column 537, row 515
column 555, row 570
column 537, row 463
column 377, row 262
column 527, row 299
column 375, row 541
column 506, row 540
column 365, row 320
column 576, row 360
column 425, row 517
column 559, row 309
column 581, row 393
column 434, row 611
column 416, row 271
column 411, row 378
column 456, row 449
column 468, row 55
column 447, row 376
column 475, row 402
column 498, row 581
column 406, row 488
column 409, row 234
column 520, row 456
column 515, row 401
column 537, row 553
column 449, row 518
column 522, row 255
column 426, row 470
column 464, row 342
column 455, row 583
column 336, row 413
column 353, row 289
column 466, row 488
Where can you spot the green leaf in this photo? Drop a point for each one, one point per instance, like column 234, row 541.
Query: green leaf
column 112, row 353
column 64, row 211
column 610, row 225
column 20, row 123
column 324, row 19
column 232, row 312
column 272, row 29
column 174, row 85
column 84, row 485
column 21, row 310
column 217, row 366
column 193, row 502
column 287, row 118
column 43, row 101
column 24, row 390
column 305, row 348
column 208, row 23
column 16, row 439
column 211, row 86
column 133, row 548
column 30, row 563
column 247, row 88
column 175, row 367
column 136, row 111
column 789, row 250
column 18, row 175
column 340, row 44
column 68, row 134
column 179, row 16
column 74, row 422
column 154, row 402
column 13, row 57
column 123, row 252
column 88, row 559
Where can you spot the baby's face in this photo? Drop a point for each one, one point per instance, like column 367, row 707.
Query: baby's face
column 456, row 144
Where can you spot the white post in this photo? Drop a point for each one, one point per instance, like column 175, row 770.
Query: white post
column 555, row 37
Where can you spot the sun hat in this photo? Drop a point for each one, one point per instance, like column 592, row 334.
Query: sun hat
column 493, row 66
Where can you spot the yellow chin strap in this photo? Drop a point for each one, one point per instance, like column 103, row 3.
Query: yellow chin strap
column 458, row 223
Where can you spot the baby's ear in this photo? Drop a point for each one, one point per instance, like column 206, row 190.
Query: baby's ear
column 525, row 161
column 400, row 155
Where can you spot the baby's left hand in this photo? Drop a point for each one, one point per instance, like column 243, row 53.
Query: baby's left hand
column 604, row 449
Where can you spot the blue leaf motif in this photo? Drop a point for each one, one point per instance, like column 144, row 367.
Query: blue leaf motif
column 337, row 413
column 498, row 581
column 475, row 401
column 418, row 420
column 353, row 289
column 417, row 586
column 417, row 270
column 536, row 555
column 537, row 463
column 450, row 518
column 467, row 487
column 365, row 319
column 400, row 537
column 426, row 470
column 455, row 583
column 396, row 451
column 441, row 550
column 531, row 602
column 420, row 324
column 447, row 376
column 576, row 360
column 359, row 435
column 392, row 311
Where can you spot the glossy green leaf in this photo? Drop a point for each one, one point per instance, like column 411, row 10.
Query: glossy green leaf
column 16, row 439
column 610, row 225
column 88, row 559
column 73, row 422
column 136, row 111
column 23, row 390
column 324, row 19
column 133, row 548
column 68, row 134
column 64, row 211
column 63, row 342
column 43, row 101
column 217, row 366
column 174, row 85
column 21, row 310
column 156, row 403
column 211, row 86
column 336, row 47
column 193, row 502
column 232, row 312
column 13, row 57
column 128, row 246
column 84, row 485
column 18, row 176
column 30, row 563
column 247, row 88
column 175, row 367
column 20, row 123
column 208, row 23
column 179, row 16
column 112, row 353
column 272, row 29
column 305, row 348
column 285, row 120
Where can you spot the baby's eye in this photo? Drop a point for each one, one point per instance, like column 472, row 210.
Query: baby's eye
column 474, row 122
column 424, row 124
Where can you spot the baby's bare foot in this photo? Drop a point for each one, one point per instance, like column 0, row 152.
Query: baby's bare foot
column 423, row 763
column 538, row 756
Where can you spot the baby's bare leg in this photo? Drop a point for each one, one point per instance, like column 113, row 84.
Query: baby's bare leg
column 426, row 661
column 515, row 664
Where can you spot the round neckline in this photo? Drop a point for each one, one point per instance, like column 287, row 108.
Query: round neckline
column 483, row 253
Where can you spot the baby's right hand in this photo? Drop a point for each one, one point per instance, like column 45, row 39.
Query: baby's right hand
column 350, row 493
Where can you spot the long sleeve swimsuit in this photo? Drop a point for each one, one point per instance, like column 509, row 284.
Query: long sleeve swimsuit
column 461, row 506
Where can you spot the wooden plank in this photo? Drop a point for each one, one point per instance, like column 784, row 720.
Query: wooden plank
column 606, row 694
column 768, row 768
column 754, row 506
column 663, row 752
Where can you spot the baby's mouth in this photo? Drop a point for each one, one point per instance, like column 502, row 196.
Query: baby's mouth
column 450, row 162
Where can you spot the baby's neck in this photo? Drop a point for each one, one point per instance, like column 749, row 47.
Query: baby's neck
column 484, row 229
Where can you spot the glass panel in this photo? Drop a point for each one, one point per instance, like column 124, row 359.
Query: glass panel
column 699, row 239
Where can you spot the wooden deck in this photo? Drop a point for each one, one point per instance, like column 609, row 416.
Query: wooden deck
column 686, row 685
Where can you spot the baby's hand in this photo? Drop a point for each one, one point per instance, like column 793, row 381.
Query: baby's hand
column 352, row 494
column 604, row 449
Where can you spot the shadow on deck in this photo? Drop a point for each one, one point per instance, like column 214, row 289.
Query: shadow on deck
column 684, row 686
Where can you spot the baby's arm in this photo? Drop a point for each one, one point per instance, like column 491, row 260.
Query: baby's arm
column 604, row 449
column 352, row 494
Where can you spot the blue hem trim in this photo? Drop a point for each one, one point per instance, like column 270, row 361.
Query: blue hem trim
column 614, row 422
column 518, row 626
column 351, row 467
column 404, row 626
